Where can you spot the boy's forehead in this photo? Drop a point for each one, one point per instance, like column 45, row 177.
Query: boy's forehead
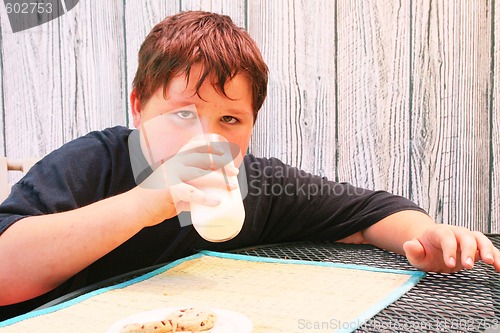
column 237, row 88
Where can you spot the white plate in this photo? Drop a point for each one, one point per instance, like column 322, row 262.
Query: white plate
column 227, row 321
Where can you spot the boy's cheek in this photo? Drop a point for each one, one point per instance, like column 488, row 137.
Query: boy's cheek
column 162, row 137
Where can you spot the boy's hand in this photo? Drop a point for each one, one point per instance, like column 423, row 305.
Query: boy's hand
column 445, row 248
column 177, row 182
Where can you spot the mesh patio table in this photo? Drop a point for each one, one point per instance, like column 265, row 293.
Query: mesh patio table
column 467, row 301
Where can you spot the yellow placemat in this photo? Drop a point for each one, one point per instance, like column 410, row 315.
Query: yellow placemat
column 277, row 295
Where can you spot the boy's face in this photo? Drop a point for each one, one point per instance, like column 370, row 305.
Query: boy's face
column 172, row 120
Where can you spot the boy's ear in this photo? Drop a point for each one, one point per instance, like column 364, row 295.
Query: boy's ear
column 135, row 104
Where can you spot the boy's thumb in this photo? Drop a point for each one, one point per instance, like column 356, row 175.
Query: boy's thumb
column 414, row 250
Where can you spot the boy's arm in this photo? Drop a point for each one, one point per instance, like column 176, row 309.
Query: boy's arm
column 38, row 253
column 41, row 252
column 427, row 245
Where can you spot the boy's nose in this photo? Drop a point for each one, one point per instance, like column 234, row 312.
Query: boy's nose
column 210, row 128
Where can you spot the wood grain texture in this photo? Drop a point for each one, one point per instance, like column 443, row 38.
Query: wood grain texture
column 140, row 17
column 31, row 91
column 495, row 128
column 373, row 94
column 233, row 8
column 395, row 95
column 297, row 122
column 451, row 58
column 3, row 26
column 93, row 86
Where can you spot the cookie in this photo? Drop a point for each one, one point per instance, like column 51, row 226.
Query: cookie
column 163, row 326
column 191, row 319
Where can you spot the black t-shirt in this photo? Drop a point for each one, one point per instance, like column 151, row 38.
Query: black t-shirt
column 283, row 204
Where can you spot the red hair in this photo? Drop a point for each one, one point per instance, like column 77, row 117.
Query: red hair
column 224, row 50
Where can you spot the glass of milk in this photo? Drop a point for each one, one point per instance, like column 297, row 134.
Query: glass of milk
column 224, row 221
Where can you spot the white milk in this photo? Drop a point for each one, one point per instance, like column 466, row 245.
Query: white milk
column 224, row 221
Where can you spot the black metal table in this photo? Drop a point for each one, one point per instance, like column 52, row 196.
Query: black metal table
column 467, row 301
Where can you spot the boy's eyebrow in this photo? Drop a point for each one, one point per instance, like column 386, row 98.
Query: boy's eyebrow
column 241, row 112
column 178, row 103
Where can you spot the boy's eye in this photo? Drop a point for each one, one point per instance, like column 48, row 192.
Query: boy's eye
column 229, row 119
column 186, row 114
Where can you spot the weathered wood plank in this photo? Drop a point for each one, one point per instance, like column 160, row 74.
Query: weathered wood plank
column 233, row 8
column 140, row 17
column 414, row 90
column 3, row 20
column 92, row 68
column 495, row 128
column 31, row 91
column 451, row 44
column 373, row 94
column 297, row 122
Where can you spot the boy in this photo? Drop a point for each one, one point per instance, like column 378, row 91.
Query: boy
column 82, row 215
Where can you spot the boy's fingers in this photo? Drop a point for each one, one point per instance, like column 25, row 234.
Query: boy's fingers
column 496, row 262
column 487, row 251
column 446, row 240
column 414, row 251
column 202, row 178
column 186, row 193
column 188, row 174
column 204, row 149
column 485, row 247
column 468, row 246
column 206, row 161
column 458, row 246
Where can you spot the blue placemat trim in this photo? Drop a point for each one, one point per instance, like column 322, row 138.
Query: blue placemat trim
column 415, row 276
column 396, row 294
column 81, row 298
column 388, row 300
column 307, row 262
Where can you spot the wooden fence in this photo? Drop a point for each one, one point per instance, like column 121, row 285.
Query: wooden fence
column 395, row 95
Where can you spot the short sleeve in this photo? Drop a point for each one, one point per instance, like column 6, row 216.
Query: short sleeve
column 82, row 171
column 288, row 204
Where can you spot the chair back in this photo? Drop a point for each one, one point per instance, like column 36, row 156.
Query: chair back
column 8, row 165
